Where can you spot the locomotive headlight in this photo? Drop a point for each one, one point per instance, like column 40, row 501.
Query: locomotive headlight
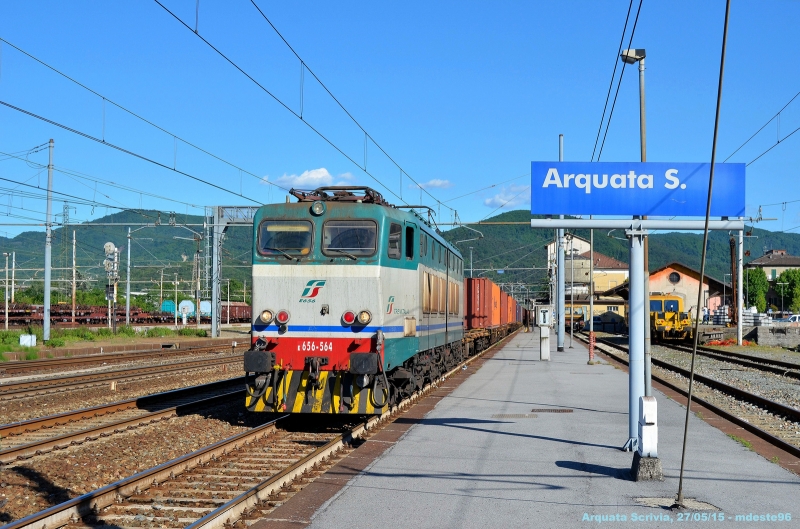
column 318, row 208
column 364, row 317
column 266, row 316
column 282, row 317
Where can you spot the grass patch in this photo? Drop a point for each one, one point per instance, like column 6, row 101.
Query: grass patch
column 3, row 358
column 775, row 460
column 699, row 415
column 744, row 442
column 56, row 342
column 31, row 355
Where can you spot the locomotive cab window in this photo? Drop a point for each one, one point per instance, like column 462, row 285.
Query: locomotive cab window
column 284, row 238
column 409, row 242
column 671, row 305
column 395, row 240
column 656, row 305
column 349, row 238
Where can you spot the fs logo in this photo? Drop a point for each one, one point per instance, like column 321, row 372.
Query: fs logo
column 390, row 305
column 312, row 289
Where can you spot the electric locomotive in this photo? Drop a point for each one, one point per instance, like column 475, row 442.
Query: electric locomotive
column 356, row 304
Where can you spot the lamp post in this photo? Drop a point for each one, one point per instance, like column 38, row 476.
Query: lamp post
column 632, row 56
column 6, row 310
column 781, row 284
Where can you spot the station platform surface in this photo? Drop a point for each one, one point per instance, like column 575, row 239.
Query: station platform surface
column 481, row 458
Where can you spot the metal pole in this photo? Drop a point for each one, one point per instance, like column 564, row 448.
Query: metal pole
column 571, row 289
column 197, row 287
column 560, row 266
column 74, row 277
column 48, row 244
column 229, row 302
column 176, row 300
column 216, row 247
column 635, row 337
column 591, row 295
column 648, row 386
column 470, row 261
column 739, row 292
column 161, row 289
column 128, row 287
column 13, row 275
column 6, row 285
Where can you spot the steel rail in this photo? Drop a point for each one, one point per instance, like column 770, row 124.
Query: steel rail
column 773, row 440
column 25, row 451
column 15, row 368
column 93, row 502
column 147, row 400
column 44, row 385
column 778, row 367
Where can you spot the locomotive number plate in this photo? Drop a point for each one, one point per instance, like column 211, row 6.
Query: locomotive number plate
column 315, row 345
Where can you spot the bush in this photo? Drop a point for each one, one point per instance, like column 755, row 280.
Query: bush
column 31, row 355
column 105, row 332
column 159, row 332
column 54, row 342
column 126, row 330
column 186, row 331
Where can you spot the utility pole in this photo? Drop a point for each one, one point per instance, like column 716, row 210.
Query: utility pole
column 591, row 295
column 6, row 285
column 229, row 302
column 128, row 285
column 560, row 266
column 74, row 289
column 571, row 289
column 161, row 289
column 176, row 300
column 244, row 292
column 197, row 285
column 13, row 275
column 48, row 244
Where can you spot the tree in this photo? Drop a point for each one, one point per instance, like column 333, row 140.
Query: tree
column 790, row 293
column 756, row 288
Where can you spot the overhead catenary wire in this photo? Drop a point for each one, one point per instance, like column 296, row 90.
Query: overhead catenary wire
column 619, row 83
column 125, row 151
column 319, row 133
column 306, row 68
column 613, row 75
column 137, row 116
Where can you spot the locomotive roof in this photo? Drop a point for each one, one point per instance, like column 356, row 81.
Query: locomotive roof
column 362, row 195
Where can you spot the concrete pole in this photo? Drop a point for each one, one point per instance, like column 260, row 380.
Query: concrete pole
column 6, row 296
column 176, row 300
column 13, row 275
column 48, row 245
column 740, row 290
column 74, row 277
column 128, row 286
column 635, row 337
column 560, row 302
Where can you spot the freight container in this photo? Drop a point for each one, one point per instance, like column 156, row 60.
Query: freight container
column 478, row 303
column 168, row 306
column 235, row 312
column 494, row 320
column 503, row 308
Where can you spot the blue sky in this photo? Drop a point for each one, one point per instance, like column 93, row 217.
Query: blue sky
column 462, row 95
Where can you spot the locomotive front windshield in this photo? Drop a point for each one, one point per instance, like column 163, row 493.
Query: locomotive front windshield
column 282, row 237
column 356, row 238
column 672, row 305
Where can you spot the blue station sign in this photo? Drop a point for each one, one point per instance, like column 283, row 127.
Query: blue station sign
column 636, row 188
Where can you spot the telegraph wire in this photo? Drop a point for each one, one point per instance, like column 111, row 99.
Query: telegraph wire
column 487, row 187
column 619, row 84
column 305, row 67
column 762, row 128
column 526, row 188
column 613, row 75
column 134, row 114
column 126, row 151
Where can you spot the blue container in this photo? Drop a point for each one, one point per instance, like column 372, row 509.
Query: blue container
column 186, row 306
column 168, row 306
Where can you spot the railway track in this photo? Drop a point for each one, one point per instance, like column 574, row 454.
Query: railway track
column 49, row 364
column 757, row 423
column 42, row 386
column 217, row 485
column 778, row 367
column 41, row 435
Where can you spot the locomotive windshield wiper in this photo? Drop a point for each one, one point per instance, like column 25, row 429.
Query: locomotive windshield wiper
column 351, row 256
column 290, row 257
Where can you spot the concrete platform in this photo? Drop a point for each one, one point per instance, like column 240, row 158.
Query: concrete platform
column 465, row 465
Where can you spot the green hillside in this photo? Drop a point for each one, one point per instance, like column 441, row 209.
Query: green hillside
column 164, row 248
